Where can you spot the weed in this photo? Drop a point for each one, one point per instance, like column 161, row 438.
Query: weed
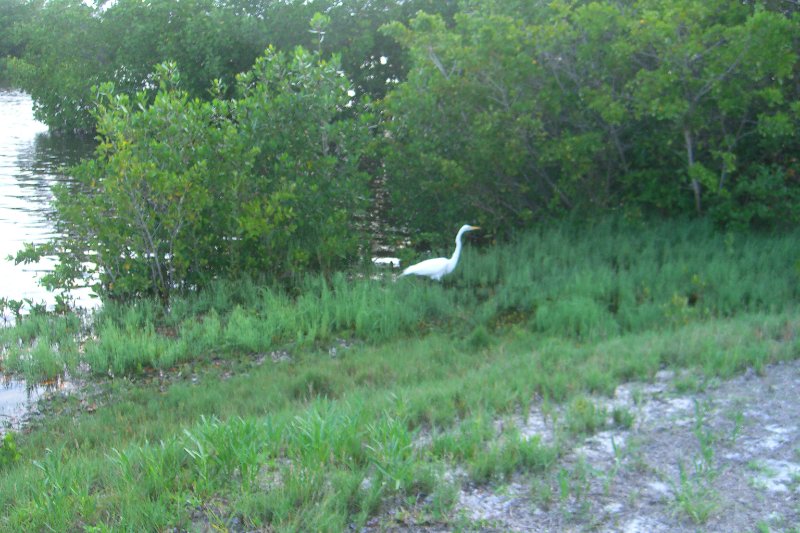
column 120, row 351
column 314, row 383
column 612, row 474
column 695, row 497
column 737, row 418
column 688, row 384
column 573, row 487
column 511, row 454
column 583, row 417
column 480, row 338
column 695, row 494
column 326, row 434
column 706, row 438
column 390, row 450
column 227, row 451
column 466, row 442
column 638, row 397
column 622, row 417
column 579, row 317
column 757, row 466
column 574, row 289
column 541, row 492
column 443, row 499
column 635, row 456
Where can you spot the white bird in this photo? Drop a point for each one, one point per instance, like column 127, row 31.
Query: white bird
column 439, row 266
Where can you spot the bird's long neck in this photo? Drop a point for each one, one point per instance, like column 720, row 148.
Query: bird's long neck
column 457, row 252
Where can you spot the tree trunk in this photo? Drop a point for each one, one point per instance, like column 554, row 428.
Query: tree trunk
column 687, row 136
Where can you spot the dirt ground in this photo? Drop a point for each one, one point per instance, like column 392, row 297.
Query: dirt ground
column 725, row 458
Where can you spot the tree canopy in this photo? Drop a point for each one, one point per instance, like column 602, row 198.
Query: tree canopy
column 61, row 48
column 649, row 105
column 217, row 158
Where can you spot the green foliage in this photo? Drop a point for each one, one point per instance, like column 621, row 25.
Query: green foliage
column 61, row 48
column 14, row 15
column 461, row 124
column 513, row 114
column 709, row 84
column 499, row 113
column 371, row 59
column 301, row 212
column 183, row 190
column 765, row 197
column 9, row 452
column 71, row 46
column 59, row 74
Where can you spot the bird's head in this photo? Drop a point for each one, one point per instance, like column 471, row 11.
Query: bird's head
column 467, row 227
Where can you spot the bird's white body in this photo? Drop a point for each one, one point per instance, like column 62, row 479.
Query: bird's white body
column 439, row 266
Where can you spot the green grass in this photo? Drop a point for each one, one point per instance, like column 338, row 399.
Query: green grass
column 567, row 281
column 421, row 373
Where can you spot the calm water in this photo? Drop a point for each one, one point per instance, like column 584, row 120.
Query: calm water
column 30, row 162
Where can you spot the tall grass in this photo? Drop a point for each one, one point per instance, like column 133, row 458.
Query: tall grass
column 41, row 346
column 616, row 276
column 572, row 281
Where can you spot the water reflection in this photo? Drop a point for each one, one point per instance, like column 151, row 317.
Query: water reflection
column 31, row 161
column 18, row 399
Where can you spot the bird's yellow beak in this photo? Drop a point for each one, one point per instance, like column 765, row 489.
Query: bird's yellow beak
column 471, row 228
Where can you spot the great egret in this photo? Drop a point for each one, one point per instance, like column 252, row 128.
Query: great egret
column 439, row 266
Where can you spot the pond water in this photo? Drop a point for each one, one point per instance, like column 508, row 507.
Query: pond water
column 31, row 161
column 18, row 399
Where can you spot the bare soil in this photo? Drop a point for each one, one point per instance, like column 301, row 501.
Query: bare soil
column 725, row 458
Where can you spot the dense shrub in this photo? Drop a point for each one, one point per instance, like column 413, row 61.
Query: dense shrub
column 183, row 190
column 516, row 112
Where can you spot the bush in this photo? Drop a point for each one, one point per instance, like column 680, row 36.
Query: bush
column 766, row 197
column 182, row 191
